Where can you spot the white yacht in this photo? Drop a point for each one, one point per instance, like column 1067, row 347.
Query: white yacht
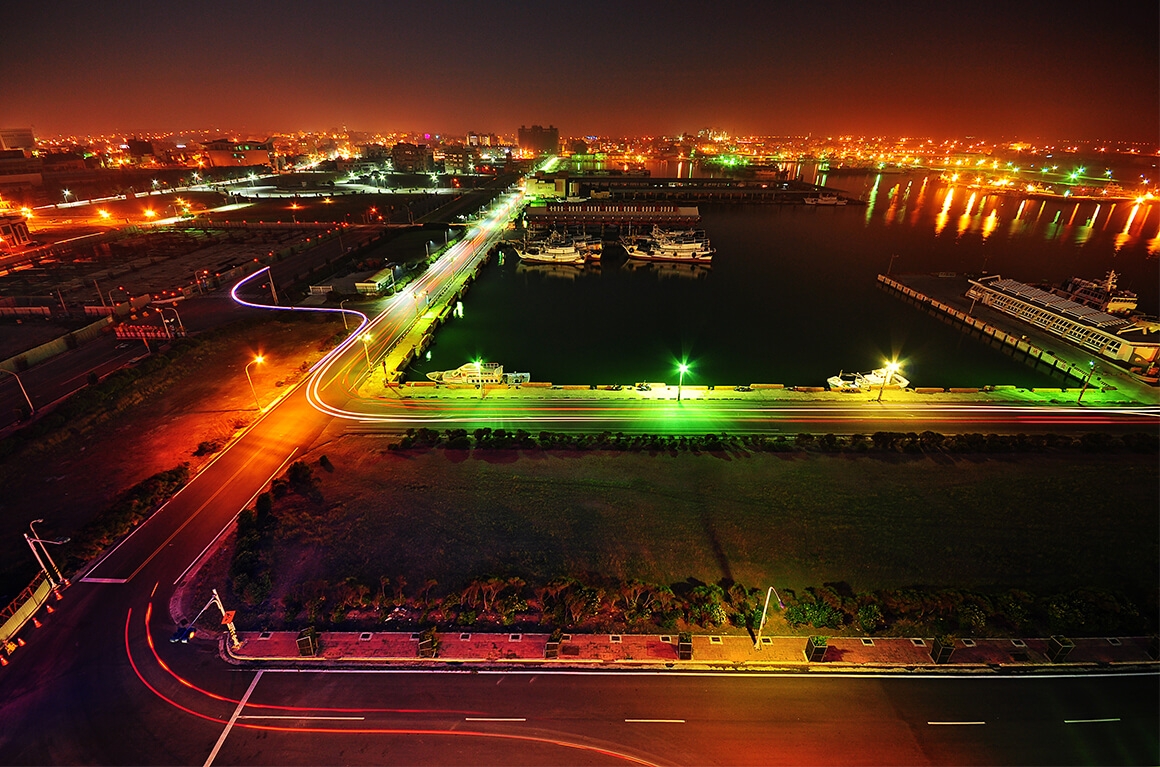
column 825, row 199
column 687, row 247
column 478, row 373
column 867, row 381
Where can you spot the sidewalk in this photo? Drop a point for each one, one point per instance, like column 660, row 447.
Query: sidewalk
column 401, row 650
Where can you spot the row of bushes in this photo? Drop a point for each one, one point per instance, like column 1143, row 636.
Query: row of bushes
column 878, row 442
column 129, row 510
column 601, row 604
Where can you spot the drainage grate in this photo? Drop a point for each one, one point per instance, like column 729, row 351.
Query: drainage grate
column 714, row 640
column 265, row 635
column 365, row 636
column 415, row 637
column 666, row 639
column 515, row 637
column 968, row 643
column 1018, row 643
column 1114, row 642
column 918, row 642
column 464, row 637
column 766, row 640
column 868, row 642
column 614, row 638
column 565, row 637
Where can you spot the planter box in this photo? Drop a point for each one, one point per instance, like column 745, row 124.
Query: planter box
column 815, row 649
column 1058, row 648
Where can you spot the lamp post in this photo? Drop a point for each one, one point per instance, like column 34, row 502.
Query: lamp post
column 256, row 361
column 764, row 610
column 366, row 339
column 173, row 309
column 682, row 369
column 891, row 369
column 1087, row 379
column 341, row 304
column 35, row 539
column 31, row 408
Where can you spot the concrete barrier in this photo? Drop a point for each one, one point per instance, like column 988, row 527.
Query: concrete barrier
column 1047, row 390
column 929, row 390
column 964, row 390
column 420, row 383
column 766, row 386
column 809, row 388
column 575, row 387
column 537, row 384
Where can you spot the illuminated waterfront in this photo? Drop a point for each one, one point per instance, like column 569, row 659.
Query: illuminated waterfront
column 791, row 297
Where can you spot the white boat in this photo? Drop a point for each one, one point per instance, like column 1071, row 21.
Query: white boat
column 687, row 247
column 478, row 374
column 558, row 249
column 825, row 199
column 867, row 381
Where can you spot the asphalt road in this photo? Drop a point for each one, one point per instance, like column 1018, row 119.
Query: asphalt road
column 100, row 684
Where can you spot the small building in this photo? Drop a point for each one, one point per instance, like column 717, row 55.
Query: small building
column 13, row 230
column 411, row 158
column 378, row 283
column 225, row 153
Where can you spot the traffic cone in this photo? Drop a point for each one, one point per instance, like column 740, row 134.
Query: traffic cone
column 20, row 641
column 35, row 622
column 50, row 609
column 3, row 660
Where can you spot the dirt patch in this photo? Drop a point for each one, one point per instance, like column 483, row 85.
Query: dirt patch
column 70, row 484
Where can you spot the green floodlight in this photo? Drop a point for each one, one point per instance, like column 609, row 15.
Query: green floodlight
column 682, row 368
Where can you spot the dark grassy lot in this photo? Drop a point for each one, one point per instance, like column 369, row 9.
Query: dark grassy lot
column 1044, row 523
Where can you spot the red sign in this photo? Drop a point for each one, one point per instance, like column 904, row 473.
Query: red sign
column 228, row 618
column 140, row 331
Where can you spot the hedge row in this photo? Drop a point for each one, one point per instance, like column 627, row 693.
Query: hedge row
column 878, row 442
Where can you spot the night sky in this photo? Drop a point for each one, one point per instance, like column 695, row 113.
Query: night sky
column 1082, row 70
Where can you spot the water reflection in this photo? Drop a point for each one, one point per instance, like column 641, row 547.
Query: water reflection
column 668, row 270
column 940, row 221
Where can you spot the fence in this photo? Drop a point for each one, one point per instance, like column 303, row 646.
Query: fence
column 23, row 608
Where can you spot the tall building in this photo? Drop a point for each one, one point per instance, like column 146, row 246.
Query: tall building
column 17, row 138
column 411, row 158
column 539, row 140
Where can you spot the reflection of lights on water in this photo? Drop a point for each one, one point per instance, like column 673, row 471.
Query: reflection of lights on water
column 990, row 222
column 873, row 196
column 940, row 221
column 965, row 219
column 1073, row 212
column 1125, row 235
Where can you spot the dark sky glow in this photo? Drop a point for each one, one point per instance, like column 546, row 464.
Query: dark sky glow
column 1061, row 69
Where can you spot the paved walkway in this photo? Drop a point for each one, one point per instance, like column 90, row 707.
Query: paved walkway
column 401, row 649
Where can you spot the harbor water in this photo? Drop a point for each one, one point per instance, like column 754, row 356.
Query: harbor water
column 791, row 296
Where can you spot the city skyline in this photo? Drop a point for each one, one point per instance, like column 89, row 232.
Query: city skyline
column 1012, row 70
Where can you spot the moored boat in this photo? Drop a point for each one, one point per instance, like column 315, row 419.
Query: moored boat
column 878, row 378
column 690, row 246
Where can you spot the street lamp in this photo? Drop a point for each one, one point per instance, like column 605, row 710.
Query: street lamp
column 682, row 369
column 34, row 539
column 173, row 309
column 340, row 305
column 366, row 339
column 891, row 369
column 256, row 361
column 1087, row 379
column 31, row 409
column 764, row 610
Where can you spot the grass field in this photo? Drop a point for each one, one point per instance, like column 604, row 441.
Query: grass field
column 1037, row 522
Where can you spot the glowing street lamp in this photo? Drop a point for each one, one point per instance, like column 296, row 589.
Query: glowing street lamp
column 366, row 339
column 1087, row 379
column 891, row 369
column 682, row 369
column 256, row 361
column 31, row 409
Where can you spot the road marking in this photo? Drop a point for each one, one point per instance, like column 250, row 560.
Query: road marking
column 86, row 579
column 956, row 723
column 310, row 718
column 1089, row 721
column 494, row 719
column 230, row 725
column 214, row 540
column 657, row 721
